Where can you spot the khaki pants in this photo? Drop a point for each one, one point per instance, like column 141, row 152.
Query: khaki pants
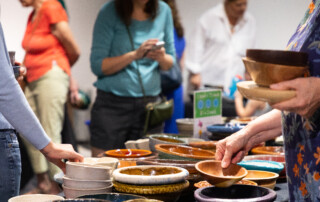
column 47, row 97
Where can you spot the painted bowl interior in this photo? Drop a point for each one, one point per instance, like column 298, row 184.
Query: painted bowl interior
column 128, row 153
column 184, row 151
column 114, row 197
column 238, row 192
column 274, row 150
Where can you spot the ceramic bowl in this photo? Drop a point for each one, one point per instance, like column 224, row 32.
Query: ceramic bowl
column 114, row 197
column 164, row 139
column 265, row 74
column 188, row 165
column 180, row 152
column 76, row 170
column 242, row 120
column 208, row 145
column 205, row 183
column 218, row 176
column 128, row 153
column 281, row 57
column 238, row 192
column 81, row 200
column 74, row 193
column 264, row 165
column 185, row 126
column 269, row 157
column 35, row 198
column 150, row 175
column 221, row 131
column 102, row 161
column 273, row 150
column 85, row 184
column 137, row 144
column 263, row 178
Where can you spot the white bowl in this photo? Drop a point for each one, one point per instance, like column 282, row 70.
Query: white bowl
column 103, row 161
column 185, row 126
column 150, row 177
column 74, row 193
column 85, row 184
column 35, row 198
column 82, row 171
column 137, row 144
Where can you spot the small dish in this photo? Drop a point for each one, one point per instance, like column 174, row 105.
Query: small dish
column 273, row 150
column 128, row 153
column 167, row 151
column 150, row 175
column 218, row 176
column 264, row 165
column 250, row 90
column 263, row 178
column 221, row 131
column 113, row 197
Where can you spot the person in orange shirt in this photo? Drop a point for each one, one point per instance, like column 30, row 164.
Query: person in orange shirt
column 50, row 52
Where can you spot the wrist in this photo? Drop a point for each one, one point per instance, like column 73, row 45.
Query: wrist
column 46, row 150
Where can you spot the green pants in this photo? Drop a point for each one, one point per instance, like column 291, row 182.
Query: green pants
column 47, row 97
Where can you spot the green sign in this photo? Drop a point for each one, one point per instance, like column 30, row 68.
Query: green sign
column 207, row 103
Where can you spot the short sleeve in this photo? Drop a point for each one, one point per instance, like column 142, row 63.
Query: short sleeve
column 54, row 12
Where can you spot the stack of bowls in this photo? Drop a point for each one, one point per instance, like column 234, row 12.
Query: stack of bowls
column 156, row 182
column 164, row 139
column 267, row 67
column 93, row 176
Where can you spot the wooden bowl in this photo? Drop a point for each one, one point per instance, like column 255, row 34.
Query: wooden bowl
column 150, row 175
column 180, row 152
column 281, row 57
column 273, row 150
column 128, row 153
column 218, row 176
column 263, row 178
column 265, row 74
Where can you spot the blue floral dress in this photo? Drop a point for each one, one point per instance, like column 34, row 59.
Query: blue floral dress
column 302, row 136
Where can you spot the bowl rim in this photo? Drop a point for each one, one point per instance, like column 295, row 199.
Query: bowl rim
column 113, row 194
column 82, row 180
column 158, row 147
column 88, row 166
column 275, row 175
column 102, row 188
column 277, row 65
column 152, row 137
column 257, row 150
column 112, row 153
column 224, row 177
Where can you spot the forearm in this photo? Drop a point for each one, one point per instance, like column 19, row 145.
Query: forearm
column 166, row 63
column 112, row 65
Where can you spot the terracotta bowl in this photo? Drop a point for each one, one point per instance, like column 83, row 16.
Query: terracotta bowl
column 265, row 74
column 85, row 184
column 207, row 145
column 150, row 175
column 164, row 139
column 180, row 152
column 128, row 153
column 77, row 170
column 218, row 176
column 115, row 197
column 273, row 150
column 281, row 57
column 188, row 165
column 263, row 178
column 74, row 193
column 35, row 198
column 238, row 192
column 185, row 126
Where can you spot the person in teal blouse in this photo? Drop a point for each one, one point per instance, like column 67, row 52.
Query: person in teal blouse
column 118, row 114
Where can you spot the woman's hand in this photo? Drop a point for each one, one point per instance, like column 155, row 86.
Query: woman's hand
column 23, row 72
column 157, row 55
column 307, row 99
column 55, row 153
column 195, row 80
column 144, row 48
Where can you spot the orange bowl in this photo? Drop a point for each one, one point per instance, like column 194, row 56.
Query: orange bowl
column 128, row 153
column 273, row 150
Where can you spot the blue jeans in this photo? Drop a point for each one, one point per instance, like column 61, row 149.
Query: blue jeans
column 10, row 165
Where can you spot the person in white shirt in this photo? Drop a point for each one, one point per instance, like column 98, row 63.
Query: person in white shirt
column 220, row 39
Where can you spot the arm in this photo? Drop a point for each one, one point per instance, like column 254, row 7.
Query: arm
column 249, row 109
column 62, row 31
column 233, row 148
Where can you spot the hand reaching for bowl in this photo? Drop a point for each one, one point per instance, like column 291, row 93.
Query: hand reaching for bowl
column 307, row 99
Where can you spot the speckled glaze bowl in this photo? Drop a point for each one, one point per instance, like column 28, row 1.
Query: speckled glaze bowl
column 218, row 176
column 235, row 193
column 150, row 175
column 164, row 139
column 183, row 152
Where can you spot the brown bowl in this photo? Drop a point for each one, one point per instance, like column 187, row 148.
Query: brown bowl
column 273, row 150
column 263, row 178
column 207, row 145
column 167, row 151
column 265, row 74
column 280, row 57
column 218, row 176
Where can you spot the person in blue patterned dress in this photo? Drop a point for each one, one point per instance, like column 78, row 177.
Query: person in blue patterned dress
column 298, row 119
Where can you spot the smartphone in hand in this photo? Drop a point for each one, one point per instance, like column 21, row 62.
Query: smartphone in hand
column 16, row 70
column 156, row 46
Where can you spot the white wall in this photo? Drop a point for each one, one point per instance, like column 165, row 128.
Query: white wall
column 276, row 19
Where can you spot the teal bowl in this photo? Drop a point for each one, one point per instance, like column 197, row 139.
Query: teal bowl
column 264, row 165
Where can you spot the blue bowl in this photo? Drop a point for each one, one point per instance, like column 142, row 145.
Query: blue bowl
column 264, row 165
column 220, row 131
column 113, row 197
